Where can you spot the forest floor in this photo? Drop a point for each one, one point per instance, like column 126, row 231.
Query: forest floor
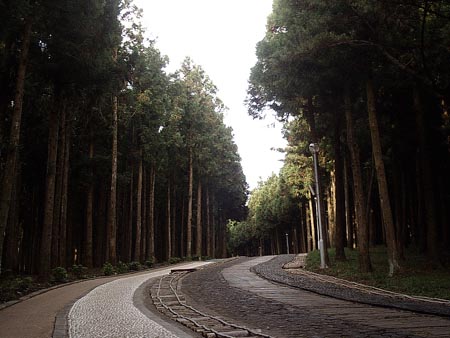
column 418, row 277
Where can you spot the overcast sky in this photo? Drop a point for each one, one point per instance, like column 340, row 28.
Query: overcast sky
column 221, row 36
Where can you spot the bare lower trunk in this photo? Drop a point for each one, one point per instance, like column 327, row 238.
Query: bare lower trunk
column 13, row 146
column 362, row 229
column 339, row 194
column 385, row 204
column 58, row 191
column 46, row 237
column 169, row 222
column 151, row 216
column 64, row 198
column 208, row 225
column 111, row 224
column 189, row 211
column 89, row 209
column 137, row 241
column 199, row 221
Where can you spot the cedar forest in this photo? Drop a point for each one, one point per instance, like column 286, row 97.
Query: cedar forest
column 105, row 157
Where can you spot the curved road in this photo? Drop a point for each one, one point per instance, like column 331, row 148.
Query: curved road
column 236, row 293
column 117, row 308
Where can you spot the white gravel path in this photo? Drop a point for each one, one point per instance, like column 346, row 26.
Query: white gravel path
column 108, row 311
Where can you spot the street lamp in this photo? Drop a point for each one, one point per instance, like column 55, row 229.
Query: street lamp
column 314, row 149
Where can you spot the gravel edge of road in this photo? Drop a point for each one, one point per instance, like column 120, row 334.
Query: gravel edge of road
column 273, row 271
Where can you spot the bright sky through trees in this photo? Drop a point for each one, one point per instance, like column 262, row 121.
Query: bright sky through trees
column 220, row 36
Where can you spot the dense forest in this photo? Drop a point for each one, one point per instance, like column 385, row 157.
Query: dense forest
column 104, row 156
column 369, row 82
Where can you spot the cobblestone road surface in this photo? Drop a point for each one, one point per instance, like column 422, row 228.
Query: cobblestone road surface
column 109, row 311
column 231, row 290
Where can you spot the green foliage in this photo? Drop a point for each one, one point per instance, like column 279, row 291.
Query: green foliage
column 149, row 263
column 174, row 260
column 108, row 269
column 416, row 278
column 13, row 287
column 59, row 274
column 135, row 266
column 79, row 270
column 122, row 267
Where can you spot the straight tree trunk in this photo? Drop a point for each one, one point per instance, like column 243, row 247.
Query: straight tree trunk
column 348, row 205
column 339, row 197
column 394, row 265
column 129, row 234
column 189, row 211
column 169, row 221
column 312, row 223
column 144, row 222
column 58, row 190
column 151, row 216
column 13, row 230
column 208, row 225
column 64, row 197
column 14, row 137
column 49, row 204
column 428, row 191
column 199, row 221
column 111, row 224
column 137, row 241
column 89, row 207
column 362, row 228
column 175, row 238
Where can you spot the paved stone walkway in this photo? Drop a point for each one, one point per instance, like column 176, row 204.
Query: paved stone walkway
column 109, row 311
column 281, row 311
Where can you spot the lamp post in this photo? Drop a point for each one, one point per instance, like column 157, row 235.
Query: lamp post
column 314, row 149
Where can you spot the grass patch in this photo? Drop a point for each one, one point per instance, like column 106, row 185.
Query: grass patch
column 417, row 277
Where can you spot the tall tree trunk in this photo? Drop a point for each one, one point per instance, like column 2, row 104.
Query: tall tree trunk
column 348, row 205
column 339, row 236
column 189, row 211
column 425, row 164
column 111, row 224
column 137, row 241
column 198, row 246
column 58, row 190
column 309, row 239
column 362, row 228
column 14, row 137
column 151, row 216
column 312, row 222
column 385, row 204
column 175, row 238
column 13, row 229
column 213, row 227
column 129, row 234
column 144, row 222
column 208, row 225
column 47, row 226
column 89, row 206
column 169, row 221
column 64, row 197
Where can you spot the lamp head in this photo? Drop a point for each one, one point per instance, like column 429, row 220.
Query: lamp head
column 314, row 148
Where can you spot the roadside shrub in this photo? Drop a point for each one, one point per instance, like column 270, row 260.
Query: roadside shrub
column 79, row 271
column 59, row 274
column 135, row 266
column 108, row 269
column 122, row 267
column 149, row 263
column 174, row 260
